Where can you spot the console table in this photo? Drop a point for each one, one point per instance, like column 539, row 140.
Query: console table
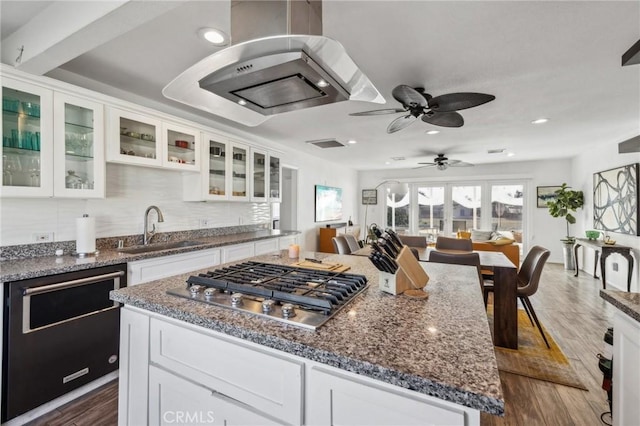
column 606, row 250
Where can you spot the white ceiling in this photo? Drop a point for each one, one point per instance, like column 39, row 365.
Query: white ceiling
column 555, row 59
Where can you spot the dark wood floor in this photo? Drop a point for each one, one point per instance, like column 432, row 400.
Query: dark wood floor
column 571, row 310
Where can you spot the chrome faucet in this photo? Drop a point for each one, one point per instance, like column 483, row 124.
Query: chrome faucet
column 148, row 235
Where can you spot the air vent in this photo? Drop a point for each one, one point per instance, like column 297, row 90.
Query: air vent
column 496, row 151
column 326, row 143
column 398, row 158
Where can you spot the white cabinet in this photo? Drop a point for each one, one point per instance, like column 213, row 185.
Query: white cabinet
column 626, row 370
column 174, row 400
column 240, row 172
column 334, row 398
column 144, row 140
column 269, row 245
column 27, row 140
column 253, row 378
column 53, row 143
column 259, row 180
column 182, row 147
column 142, row 271
column 237, row 252
column 79, row 163
column 275, row 178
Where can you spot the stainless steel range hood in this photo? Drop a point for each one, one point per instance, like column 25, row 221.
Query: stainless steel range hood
column 274, row 74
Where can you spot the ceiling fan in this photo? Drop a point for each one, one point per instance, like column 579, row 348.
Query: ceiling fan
column 443, row 163
column 439, row 111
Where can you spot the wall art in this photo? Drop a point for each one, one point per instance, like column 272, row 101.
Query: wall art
column 544, row 194
column 615, row 200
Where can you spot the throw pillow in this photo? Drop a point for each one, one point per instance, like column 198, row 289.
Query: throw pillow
column 479, row 235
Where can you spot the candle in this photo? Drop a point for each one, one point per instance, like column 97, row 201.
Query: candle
column 294, row 251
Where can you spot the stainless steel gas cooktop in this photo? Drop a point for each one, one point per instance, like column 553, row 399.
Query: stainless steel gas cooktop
column 302, row 297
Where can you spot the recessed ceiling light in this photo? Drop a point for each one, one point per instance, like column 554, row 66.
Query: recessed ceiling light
column 510, row 154
column 540, row 121
column 387, row 162
column 433, row 132
column 352, row 142
column 213, row 36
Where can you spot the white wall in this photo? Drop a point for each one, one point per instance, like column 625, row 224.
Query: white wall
column 542, row 229
column 597, row 158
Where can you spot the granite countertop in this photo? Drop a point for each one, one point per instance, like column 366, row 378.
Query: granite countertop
column 20, row 269
column 441, row 346
column 629, row 303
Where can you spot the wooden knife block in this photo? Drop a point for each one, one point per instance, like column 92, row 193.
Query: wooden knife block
column 409, row 276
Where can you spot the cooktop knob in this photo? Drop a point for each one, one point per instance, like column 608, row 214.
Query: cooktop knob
column 236, row 299
column 195, row 289
column 267, row 305
column 288, row 311
column 209, row 293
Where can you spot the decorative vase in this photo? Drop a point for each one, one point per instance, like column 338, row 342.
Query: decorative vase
column 567, row 251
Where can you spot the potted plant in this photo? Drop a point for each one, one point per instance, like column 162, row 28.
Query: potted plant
column 567, row 201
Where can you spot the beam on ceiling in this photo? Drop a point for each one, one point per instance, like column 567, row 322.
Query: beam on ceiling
column 66, row 30
column 632, row 56
column 628, row 146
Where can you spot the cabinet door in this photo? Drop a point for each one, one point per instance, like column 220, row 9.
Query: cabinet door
column 275, row 178
column 217, row 173
column 174, row 400
column 79, row 147
column 259, row 175
column 181, row 147
column 134, row 138
column 239, row 172
column 27, row 140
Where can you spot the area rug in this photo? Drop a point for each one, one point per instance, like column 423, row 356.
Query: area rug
column 533, row 358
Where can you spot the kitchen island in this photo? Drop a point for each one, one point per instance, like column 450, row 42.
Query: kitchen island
column 382, row 360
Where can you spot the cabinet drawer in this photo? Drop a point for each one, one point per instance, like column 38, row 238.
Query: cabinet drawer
column 334, row 398
column 266, row 246
column 258, row 379
column 237, row 252
column 174, row 400
column 166, row 266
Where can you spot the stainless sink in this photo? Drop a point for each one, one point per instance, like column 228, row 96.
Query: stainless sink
column 159, row 247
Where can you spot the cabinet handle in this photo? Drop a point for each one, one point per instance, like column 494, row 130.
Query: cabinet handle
column 30, row 291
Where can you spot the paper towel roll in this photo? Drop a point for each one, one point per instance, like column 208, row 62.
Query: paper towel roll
column 85, row 235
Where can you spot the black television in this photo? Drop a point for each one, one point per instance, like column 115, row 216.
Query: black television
column 328, row 205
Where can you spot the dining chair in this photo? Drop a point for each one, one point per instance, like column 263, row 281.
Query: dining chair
column 352, row 242
column 528, row 281
column 446, row 243
column 472, row 259
column 340, row 245
column 419, row 241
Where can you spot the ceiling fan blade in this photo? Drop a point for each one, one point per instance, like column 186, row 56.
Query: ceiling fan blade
column 428, row 164
column 408, row 96
column 458, row 163
column 400, row 123
column 445, row 119
column 459, row 101
column 378, row 112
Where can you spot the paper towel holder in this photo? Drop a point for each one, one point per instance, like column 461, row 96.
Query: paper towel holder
column 89, row 253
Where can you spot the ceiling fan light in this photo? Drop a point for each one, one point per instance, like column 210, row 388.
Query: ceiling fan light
column 540, row 121
column 442, row 166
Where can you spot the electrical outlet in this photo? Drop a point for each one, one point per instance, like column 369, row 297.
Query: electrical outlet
column 42, row 237
column 615, row 266
column 204, row 223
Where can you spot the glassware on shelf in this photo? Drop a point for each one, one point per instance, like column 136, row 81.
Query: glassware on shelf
column 10, row 167
column 34, row 170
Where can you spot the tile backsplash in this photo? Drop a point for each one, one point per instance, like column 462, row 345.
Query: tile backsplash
column 130, row 190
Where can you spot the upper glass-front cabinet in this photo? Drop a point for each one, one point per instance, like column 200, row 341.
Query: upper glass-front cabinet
column 134, row 138
column 239, row 172
column 79, row 147
column 27, row 140
column 275, row 177
column 182, row 147
column 217, row 175
column 259, row 182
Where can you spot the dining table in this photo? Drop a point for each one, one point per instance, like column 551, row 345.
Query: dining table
column 505, row 295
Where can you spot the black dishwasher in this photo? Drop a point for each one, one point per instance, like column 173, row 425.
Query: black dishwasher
column 60, row 332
